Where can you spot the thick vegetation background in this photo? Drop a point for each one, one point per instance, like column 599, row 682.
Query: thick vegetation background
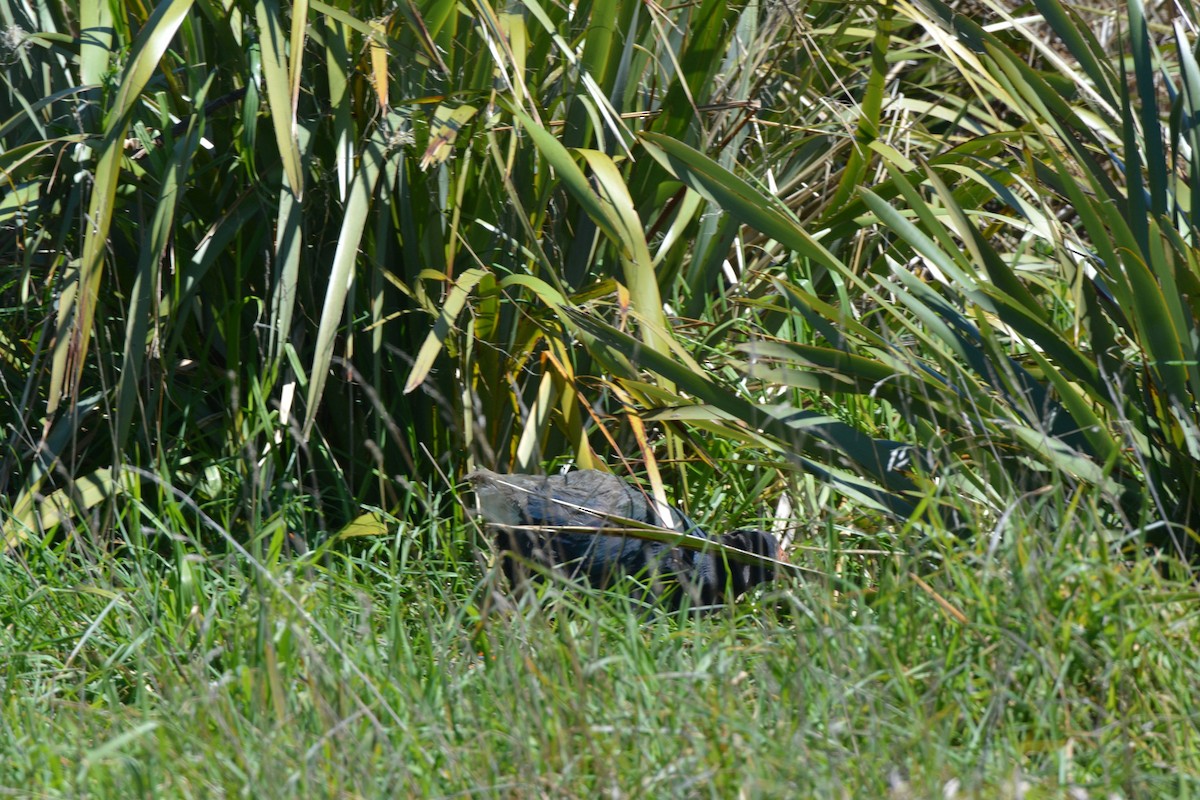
column 915, row 285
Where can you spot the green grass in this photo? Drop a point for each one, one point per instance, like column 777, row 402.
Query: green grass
column 374, row 667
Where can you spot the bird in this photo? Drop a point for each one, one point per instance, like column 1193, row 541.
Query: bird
column 572, row 523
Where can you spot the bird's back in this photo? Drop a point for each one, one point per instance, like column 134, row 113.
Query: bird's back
column 583, row 498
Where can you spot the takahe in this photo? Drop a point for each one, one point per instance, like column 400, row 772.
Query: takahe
column 538, row 520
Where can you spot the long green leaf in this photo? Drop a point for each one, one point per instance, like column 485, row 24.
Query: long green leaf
column 456, row 299
column 77, row 305
column 279, row 88
column 354, row 221
column 639, row 269
column 738, row 198
column 141, row 308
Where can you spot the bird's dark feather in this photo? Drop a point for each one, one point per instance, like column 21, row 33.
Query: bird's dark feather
column 531, row 511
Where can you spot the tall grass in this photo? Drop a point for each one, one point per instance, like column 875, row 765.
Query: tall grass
column 1025, row 669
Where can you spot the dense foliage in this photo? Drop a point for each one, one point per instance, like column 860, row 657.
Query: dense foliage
column 916, row 283
column 340, row 250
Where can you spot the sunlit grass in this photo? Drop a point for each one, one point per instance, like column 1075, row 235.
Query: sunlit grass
column 1024, row 668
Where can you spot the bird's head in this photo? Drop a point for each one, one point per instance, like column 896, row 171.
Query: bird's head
column 761, row 543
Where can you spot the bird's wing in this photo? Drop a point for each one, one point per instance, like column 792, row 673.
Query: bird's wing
column 583, row 498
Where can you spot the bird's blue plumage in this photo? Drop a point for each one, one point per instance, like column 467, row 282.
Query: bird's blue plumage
column 536, row 515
